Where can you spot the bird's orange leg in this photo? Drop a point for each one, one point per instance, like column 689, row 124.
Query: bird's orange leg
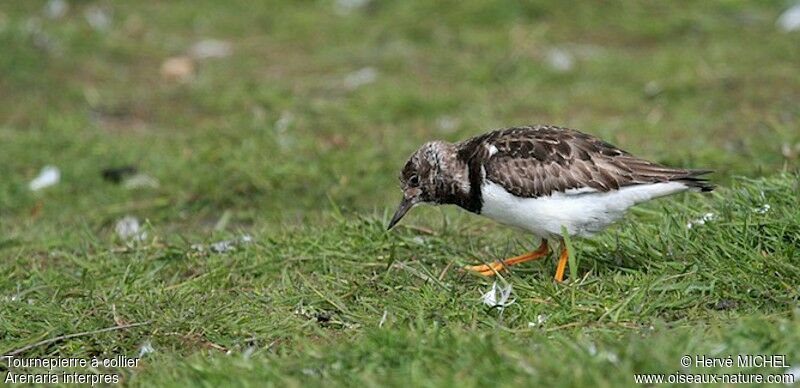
column 562, row 262
column 493, row 268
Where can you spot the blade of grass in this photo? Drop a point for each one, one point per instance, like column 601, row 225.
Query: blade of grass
column 571, row 258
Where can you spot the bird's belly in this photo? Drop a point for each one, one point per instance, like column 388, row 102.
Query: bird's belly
column 582, row 214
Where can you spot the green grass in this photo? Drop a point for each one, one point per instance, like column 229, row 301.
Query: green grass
column 323, row 294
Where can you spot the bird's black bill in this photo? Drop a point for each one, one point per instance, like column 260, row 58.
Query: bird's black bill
column 404, row 207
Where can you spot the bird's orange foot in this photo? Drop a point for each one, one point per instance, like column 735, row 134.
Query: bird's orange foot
column 562, row 262
column 495, row 267
column 486, row 269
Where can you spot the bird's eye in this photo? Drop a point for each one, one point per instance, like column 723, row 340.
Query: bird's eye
column 413, row 181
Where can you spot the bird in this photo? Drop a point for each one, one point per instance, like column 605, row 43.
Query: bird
column 543, row 179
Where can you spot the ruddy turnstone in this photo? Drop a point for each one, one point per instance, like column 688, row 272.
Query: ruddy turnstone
column 538, row 178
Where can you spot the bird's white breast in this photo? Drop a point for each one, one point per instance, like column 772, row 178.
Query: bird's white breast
column 583, row 212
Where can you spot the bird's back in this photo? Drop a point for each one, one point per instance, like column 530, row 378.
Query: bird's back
column 540, row 160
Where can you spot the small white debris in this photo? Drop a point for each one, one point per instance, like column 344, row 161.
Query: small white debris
column 308, row 372
column 345, row 7
column 361, row 77
column 248, row 352
column 560, row 60
column 708, row 217
column 98, row 18
column 49, row 176
column 795, row 372
column 653, row 88
column 284, row 122
column 790, row 19
column 383, row 318
column 56, row 9
column 498, row 296
column 47, row 43
column 15, row 297
column 146, row 349
column 282, row 125
column 128, row 228
column 179, row 68
column 32, row 25
column 591, row 349
column 789, row 151
column 211, row 48
column 718, row 348
column 302, row 311
column 763, row 209
column 225, row 246
column 139, row 181
column 447, row 123
column 611, row 357
column 259, row 113
column 540, row 320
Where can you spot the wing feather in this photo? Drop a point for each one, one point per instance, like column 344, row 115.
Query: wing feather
column 541, row 160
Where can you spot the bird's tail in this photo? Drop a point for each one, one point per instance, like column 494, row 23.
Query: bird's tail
column 695, row 182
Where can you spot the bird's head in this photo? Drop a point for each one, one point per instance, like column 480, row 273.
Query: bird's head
column 428, row 176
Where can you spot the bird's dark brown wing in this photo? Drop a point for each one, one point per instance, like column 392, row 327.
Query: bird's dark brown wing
column 540, row 160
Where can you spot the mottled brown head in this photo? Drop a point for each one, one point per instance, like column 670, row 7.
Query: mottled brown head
column 433, row 174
